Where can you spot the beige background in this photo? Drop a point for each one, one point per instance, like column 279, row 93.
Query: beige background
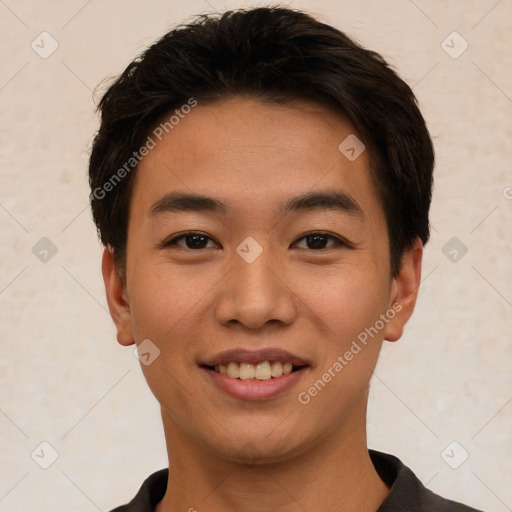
column 63, row 377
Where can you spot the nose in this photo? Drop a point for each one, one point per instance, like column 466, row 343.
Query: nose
column 255, row 294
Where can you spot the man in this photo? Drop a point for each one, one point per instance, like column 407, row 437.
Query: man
column 261, row 184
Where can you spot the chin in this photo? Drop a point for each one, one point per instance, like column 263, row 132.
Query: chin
column 251, row 454
column 257, row 449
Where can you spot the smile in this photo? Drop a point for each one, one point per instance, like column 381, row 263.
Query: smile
column 248, row 374
column 264, row 370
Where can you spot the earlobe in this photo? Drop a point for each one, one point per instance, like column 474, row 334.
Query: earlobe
column 117, row 300
column 404, row 291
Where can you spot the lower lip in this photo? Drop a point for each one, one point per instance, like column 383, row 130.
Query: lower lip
column 255, row 389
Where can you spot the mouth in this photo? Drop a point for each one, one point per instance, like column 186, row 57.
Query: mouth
column 264, row 370
column 255, row 374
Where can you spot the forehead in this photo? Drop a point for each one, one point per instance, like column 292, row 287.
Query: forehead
column 249, row 153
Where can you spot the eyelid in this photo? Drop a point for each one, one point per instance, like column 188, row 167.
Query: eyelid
column 173, row 240
column 339, row 241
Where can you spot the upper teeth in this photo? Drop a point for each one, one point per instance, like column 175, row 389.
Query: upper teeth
column 260, row 371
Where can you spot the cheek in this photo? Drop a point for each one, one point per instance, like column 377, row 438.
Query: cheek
column 164, row 309
column 163, row 301
column 348, row 307
column 346, row 300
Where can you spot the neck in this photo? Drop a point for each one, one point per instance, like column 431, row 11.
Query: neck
column 335, row 473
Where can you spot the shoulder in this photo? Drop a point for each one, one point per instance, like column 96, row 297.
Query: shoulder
column 406, row 490
column 151, row 492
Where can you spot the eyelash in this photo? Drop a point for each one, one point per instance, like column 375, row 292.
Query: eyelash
column 338, row 241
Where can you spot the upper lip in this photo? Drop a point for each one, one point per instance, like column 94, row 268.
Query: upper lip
column 254, row 356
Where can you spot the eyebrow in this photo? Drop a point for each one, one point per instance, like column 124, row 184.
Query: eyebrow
column 327, row 200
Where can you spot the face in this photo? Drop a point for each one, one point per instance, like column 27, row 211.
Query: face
column 282, row 263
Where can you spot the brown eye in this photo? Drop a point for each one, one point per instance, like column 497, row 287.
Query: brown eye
column 191, row 241
column 319, row 241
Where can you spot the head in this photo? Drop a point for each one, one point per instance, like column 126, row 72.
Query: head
column 286, row 127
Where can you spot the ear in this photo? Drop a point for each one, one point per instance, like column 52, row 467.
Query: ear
column 404, row 291
column 117, row 300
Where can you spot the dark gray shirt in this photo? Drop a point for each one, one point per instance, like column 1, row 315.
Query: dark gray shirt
column 407, row 493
